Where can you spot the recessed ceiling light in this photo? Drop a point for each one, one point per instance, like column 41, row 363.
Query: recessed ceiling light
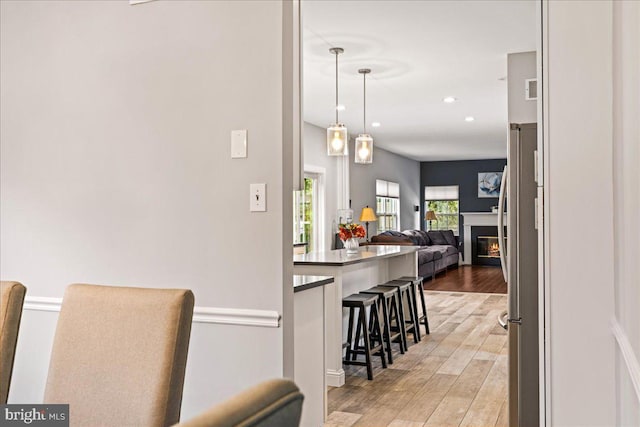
column 375, row 124
column 449, row 99
column 340, row 107
column 469, row 119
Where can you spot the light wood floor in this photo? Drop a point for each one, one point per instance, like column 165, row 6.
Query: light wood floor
column 456, row 376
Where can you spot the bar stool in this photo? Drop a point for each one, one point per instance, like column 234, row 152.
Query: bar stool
column 361, row 302
column 389, row 303
column 411, row 324
column 419, row 287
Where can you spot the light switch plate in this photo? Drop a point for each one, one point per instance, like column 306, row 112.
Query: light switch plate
column 258, row 197
column 239, row 144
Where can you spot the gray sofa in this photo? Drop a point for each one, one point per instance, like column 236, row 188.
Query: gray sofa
column 438, row 251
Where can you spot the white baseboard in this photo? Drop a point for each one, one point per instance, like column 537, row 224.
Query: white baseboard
column 629, row 356
column 217, row 315
column 335, row 378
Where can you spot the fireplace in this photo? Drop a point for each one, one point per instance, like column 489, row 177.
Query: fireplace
column 485, row 246
column 488, row 247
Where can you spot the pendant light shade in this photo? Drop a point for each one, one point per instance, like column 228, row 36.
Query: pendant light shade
column 364, row 141
column 337, row 135
column 364, row 149
column 337, row 140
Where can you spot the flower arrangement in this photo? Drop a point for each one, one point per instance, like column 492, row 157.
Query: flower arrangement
column 351, row 230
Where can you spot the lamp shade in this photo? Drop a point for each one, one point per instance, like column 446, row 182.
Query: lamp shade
column 367, row 215
column 431, row 216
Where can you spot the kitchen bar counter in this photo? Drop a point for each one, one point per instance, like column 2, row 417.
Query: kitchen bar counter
column 309, row 359
column 302, row 283
column 352, row 273
column 340, row 257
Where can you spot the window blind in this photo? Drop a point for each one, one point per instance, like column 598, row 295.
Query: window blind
column 441, row 192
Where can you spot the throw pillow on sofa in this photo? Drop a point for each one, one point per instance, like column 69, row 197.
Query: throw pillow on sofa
column 437, row 238
column 391, row 238
column 391, row 233
column 415, row 237
column 425, row 236
column 449, row 237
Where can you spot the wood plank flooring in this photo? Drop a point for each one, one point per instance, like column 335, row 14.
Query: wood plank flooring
column 467, row 278
column 456, row 376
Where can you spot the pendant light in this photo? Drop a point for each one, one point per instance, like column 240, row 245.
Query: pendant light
column 364, row 141
column 337, row 132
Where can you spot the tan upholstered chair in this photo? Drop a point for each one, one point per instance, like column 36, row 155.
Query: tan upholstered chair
column 274, row 403
column 11, row 302
column 119, row 355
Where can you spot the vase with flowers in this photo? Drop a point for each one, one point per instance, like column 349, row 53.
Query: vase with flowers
column 349, row 234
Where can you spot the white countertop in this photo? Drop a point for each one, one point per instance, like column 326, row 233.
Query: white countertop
column 340, row 257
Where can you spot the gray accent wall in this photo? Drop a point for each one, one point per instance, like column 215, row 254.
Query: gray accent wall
column 464, row 174
column 389, row 167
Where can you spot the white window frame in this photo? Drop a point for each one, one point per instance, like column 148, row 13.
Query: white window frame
column 442, row 193
column 389, row 193
column 319, row 175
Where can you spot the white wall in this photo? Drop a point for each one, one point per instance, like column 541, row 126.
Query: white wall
column 521, row 67
column 579, row 247
column 116, row 169
column 626, row 206
column 315, row 154
column 389, row 167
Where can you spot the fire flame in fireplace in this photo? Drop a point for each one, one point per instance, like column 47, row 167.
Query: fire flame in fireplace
column 494, row 249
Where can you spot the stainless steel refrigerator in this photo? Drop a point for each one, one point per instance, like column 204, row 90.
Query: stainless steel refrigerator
column 520, row 267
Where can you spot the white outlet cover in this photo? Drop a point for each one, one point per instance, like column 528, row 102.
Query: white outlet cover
column 239, row 144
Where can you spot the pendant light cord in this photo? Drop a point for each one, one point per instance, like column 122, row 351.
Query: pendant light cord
column 364, row 116
column 364, row 72
column 337, row 86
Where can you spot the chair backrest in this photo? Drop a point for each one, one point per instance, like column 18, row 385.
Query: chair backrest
column 273, row 403
column 119, row 355
column 11, row 301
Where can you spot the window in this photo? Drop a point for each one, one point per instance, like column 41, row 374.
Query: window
column 388, row 205
column 308, row 208
column 443, row 200
column 303, row 207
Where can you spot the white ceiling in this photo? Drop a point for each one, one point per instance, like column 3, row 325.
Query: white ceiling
column 419, row 53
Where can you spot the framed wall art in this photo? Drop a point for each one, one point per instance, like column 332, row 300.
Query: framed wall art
column 489, row 184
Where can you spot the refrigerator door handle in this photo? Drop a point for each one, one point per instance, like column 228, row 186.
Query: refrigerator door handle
column 501, row 242
column 502, row 319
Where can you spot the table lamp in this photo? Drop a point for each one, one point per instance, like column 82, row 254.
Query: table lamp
column 431, row 216
column 367, row 215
